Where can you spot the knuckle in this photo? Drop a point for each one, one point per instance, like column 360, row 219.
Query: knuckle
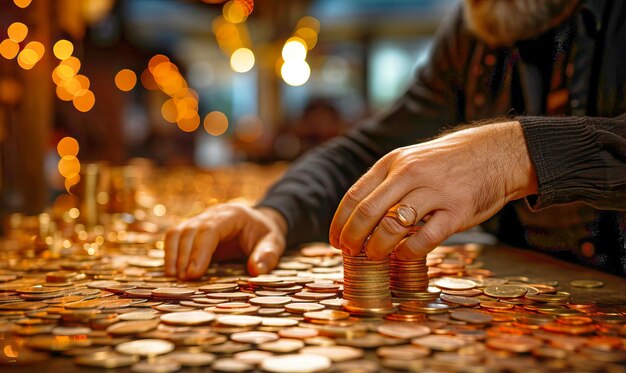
column 366, row 210
column 390, row 226
column 352, row 196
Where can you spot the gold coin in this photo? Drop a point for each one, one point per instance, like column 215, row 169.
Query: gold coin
column 145, row 347
column 452, row 283
column 505, row 291
column 587, row 284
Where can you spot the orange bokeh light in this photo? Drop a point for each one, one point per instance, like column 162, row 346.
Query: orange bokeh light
column 9, row 49
column 27, row 59
column 125, row 80
column 17, row 32
column 84, row 100
column 156, row 60
column 189, row 124
column 37, row 47
column 22, row 3
column 69, row 165
column 168, row 111
column 68, row 146
column 63, row 49
column 71, row 62
column 215, row 123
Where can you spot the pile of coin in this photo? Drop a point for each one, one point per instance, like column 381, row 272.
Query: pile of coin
column 409, row 278
column 366, row 285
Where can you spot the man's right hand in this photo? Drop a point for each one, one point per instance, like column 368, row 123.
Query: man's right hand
column 223, row 232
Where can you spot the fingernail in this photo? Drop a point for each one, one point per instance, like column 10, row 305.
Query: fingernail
column 191, row 269
column 262, row 267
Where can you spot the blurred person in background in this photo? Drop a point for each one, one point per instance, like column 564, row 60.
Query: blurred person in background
column 549, row 174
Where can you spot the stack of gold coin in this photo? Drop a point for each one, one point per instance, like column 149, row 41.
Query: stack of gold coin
column 409, row 278
column 366, row 285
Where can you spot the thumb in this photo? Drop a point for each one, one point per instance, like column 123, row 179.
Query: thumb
column 266, row 253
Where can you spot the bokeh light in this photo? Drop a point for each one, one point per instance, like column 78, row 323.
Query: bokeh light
column 36, row 47
column 125, row 80
column 295, row 72
column 189, row 124
column 71, row 62
column 9, row 49
column 68, row 146
column 84, row 100
column 168, row 111
column 242, row 60
column 22, row 3
column 215, row 123
column 69, row 165
column 27, row 59
column 310, row 22
column 17, row 32
column 308, row 35
column 235, row 12
column 63, row 49
column 294, row 49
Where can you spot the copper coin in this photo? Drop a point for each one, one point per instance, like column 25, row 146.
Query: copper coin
column 303, row 307
column 156, row 366
column 519, row 344
column 404, row 352
column 231, row 365
column 471, row 316
column 463, row 301
column 282, row 345
column 335, row 353
column 270, row 301
column 298, row 333
column 173, row 292
column 132, row 327
column 252, row 357
column 403, row 330
column 327, row 315
column 587, row 284
column 278, row 321
column 188, row 318
column 217, row 288
column 440, row 342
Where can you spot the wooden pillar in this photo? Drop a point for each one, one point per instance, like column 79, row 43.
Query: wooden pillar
column 29, row 122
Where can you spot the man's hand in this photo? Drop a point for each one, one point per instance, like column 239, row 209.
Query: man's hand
column 453, row 183
column 225, row 231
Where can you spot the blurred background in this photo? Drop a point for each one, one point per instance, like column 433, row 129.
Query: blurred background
column 191, row 83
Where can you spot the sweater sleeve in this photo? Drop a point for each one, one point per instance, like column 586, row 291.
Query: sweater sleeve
column 578, row 159
column 309, row 193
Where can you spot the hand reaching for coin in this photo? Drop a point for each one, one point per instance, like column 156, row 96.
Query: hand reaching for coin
column 225, row 231
column 451, row 183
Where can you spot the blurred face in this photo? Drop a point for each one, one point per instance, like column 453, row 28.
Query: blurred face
column 503, row 22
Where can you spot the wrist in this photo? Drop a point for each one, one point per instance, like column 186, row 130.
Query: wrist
column 522, row 178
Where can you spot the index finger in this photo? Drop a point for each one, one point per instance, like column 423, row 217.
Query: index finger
column 357, row 192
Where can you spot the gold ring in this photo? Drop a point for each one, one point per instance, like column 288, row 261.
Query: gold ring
column 405, row 215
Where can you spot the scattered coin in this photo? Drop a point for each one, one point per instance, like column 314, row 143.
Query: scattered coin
column 297, row 363
column 145, row 347
column 587, row 284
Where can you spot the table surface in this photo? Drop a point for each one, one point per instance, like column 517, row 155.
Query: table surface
column 504, row 261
